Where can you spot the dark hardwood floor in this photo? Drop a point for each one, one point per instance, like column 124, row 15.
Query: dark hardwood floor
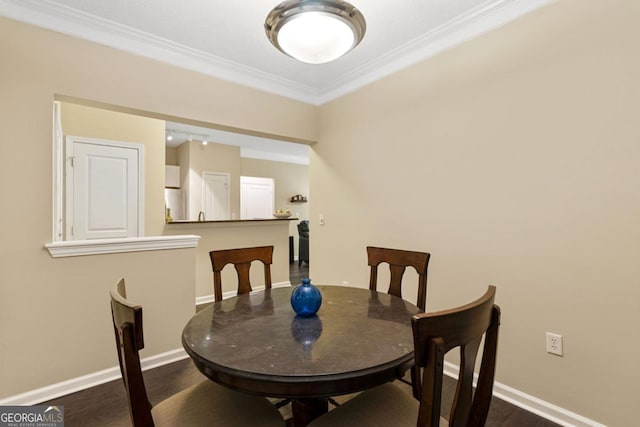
column 297, row 273
column 106, row 405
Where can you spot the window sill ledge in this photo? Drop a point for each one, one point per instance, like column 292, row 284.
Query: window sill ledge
column 115, row 246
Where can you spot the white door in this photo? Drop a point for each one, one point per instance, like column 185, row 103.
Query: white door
column 104, row 189
column 256, row 197
column 216, row 195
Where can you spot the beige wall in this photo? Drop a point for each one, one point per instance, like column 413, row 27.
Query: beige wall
column 89, row 122
column 184, row 158
column 54, row 314
column 513, row 159
column 171, row 156
column 290, row 179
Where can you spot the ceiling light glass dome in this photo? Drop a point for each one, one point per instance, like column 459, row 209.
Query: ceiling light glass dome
column 315, row 31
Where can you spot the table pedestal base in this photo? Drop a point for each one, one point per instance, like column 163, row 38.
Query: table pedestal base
column 306, row 410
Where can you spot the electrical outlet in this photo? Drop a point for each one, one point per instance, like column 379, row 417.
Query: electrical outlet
column 554, row 344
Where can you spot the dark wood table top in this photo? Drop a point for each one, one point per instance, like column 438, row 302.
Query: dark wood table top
column 255, row 343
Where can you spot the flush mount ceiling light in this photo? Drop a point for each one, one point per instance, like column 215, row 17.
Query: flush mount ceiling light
column 315, row 31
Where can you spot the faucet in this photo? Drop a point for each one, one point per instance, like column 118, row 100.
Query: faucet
column 201, row 216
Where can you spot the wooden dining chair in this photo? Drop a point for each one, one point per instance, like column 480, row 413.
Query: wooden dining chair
column 398, row 261
column 203, row 404
column 241, row 259
column 434, row 335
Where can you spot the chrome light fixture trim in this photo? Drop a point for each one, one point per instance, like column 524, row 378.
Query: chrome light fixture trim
column 336, row 12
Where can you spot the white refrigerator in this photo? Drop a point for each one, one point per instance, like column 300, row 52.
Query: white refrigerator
column 174, row 200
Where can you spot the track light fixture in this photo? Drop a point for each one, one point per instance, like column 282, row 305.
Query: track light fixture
column 185, row 136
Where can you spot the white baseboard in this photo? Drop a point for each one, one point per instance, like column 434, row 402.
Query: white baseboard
column 205, row 299
column 531, row 403
column 73, row 385
column 209, row 298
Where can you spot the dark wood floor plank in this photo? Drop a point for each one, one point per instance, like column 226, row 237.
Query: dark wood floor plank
column 297, row 273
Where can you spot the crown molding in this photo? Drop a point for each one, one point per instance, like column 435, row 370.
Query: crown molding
column 69, row 21
column 486, row 17
column 482, row 19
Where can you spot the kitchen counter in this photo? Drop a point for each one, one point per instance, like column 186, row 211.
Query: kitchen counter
column 223, row 221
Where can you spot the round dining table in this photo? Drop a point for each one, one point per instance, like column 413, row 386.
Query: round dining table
column 255, row 343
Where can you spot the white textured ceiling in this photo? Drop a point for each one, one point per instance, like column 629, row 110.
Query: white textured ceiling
column 226, row 39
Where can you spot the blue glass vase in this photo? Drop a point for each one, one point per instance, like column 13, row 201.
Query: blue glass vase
column 306, row 299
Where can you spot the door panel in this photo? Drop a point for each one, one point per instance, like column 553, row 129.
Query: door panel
column 216, row 195
column 102, row 190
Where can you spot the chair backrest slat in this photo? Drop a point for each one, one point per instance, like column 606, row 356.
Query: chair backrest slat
column 437, row 333
column 241, row 259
